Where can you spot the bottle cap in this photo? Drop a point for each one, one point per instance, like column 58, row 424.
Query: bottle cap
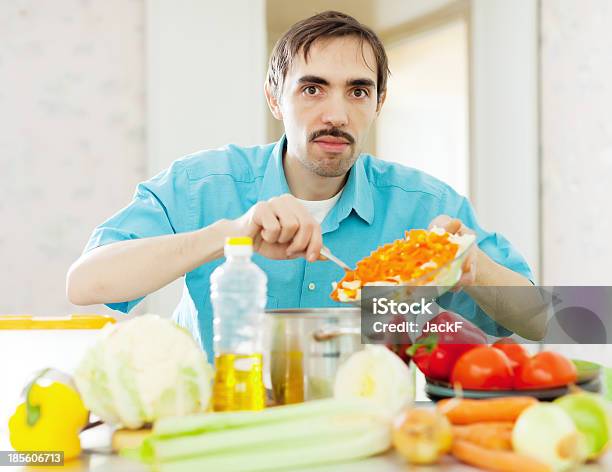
column 238, row 246
column 239, row 241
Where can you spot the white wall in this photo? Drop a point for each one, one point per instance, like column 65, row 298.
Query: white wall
column 206, row 64
column 424, row 121
column 504, row 180
column 71, row 138
column 81, row 85
column 576, row 136
column 577, row 141
column 205, row 74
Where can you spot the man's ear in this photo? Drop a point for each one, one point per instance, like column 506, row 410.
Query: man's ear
column 381, row 102
column 272, row 102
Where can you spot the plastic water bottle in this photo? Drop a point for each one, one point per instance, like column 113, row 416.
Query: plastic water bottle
column 238, row 294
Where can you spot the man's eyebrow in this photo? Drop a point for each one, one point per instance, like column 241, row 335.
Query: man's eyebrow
column 361, row 82
column 312, row 79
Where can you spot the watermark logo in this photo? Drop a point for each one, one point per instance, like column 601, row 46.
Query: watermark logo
column 553, row 315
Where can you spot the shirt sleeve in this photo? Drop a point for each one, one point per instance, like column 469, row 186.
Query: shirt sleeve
column 498, row 248
column 153, row 211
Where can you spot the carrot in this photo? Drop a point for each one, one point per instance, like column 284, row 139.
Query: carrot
column 467, row 411
column 421, row 252
column 490, row 435
column 499, row 461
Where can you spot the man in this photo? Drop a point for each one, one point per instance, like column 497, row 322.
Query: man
column 327, row 83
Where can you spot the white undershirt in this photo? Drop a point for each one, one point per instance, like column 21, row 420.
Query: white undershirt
column 320, row 208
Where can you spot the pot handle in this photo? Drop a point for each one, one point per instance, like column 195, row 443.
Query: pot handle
column 328, row 333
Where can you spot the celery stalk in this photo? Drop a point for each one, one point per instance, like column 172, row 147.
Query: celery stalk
column 290, row 432
column 311, row 433
column 339, row 448
column 174, row 426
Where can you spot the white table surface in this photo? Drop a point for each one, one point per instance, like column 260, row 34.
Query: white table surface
column 97, row 458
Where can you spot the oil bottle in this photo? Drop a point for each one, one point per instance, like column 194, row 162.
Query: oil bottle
column 238, row 295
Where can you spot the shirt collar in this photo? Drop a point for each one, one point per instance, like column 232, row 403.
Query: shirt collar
column 274, row 182
column 356, row 195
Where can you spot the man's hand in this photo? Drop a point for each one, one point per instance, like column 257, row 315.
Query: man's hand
column 485, row 287
column 281, row 228
column 455, row 226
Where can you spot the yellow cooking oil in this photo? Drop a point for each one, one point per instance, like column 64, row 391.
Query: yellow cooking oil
column 289, row 387
column 238, row 382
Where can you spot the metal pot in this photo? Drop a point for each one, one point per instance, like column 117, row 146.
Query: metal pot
column 304, row 348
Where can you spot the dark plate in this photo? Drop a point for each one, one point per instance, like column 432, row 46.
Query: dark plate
column 588, row 379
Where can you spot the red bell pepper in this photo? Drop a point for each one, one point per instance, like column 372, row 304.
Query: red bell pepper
column 436, row 353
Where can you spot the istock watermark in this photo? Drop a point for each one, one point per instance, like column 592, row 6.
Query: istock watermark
column 385, row 306
column 533, row 314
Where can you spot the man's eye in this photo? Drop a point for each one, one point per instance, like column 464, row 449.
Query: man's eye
column 360, row 93
column 311, row 90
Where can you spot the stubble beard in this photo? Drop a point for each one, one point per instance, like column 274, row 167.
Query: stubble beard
column 334, row 166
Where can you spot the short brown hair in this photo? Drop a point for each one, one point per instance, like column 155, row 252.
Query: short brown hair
column 328, row 24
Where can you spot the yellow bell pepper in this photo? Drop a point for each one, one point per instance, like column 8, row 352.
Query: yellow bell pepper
column 49, row 419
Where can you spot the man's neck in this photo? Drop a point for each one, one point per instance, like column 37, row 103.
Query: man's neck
column 306, row 185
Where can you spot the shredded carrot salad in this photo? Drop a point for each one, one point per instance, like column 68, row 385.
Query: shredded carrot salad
column 402, row 261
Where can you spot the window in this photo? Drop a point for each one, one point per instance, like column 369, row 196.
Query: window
column 425, row 119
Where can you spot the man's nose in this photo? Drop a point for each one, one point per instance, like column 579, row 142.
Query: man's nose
column 335, row 113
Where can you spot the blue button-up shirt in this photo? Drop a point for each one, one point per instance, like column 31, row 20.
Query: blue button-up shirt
column 378, row 203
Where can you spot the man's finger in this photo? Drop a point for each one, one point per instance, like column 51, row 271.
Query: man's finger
column 288, row 221
column 270, row 226
column 307, row 223
column 313, row 252
column 301, row 238
column 468, row 262
column 453, row 226
column 440, row 221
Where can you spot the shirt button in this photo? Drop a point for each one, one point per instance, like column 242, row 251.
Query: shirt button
column 311, row 286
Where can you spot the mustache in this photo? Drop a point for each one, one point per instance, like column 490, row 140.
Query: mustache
column 335, row 132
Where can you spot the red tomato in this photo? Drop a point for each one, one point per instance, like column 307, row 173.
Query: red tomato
column 483, row 368
column 517, row 354
column 546, row 370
